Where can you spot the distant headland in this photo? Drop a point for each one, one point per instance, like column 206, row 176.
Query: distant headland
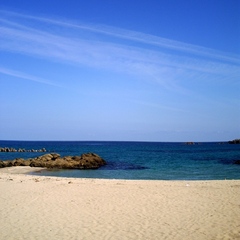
column 235, row 141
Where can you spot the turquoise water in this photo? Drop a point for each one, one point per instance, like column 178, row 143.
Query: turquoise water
column 142, row 160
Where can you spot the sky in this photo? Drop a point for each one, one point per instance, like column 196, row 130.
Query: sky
column 156, row 70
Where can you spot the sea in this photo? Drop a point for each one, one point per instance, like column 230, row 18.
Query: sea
column 140, row 160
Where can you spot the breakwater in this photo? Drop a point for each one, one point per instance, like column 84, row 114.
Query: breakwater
column 10, row 149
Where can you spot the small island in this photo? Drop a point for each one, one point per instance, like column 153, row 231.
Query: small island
column 235, row 141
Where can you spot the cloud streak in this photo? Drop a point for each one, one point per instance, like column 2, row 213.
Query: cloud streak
column 25, row 76
column 158, row 59
column 136, row 36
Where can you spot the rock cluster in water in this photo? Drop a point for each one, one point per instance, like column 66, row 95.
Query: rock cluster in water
column 235, row 141
column 189, row 143
column 7, row 149
column 54, row 160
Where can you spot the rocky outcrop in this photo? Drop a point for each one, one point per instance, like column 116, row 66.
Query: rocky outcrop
column 54, row 160
column 8, row 149
column 235, row 141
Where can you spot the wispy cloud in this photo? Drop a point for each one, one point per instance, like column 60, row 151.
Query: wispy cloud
column 158, row 59
column 25, row 76
column 136, row 36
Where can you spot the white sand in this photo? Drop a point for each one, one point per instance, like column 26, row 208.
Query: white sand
column 33, row 207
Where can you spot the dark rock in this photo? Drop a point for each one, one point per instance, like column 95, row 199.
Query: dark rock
column 7, row 163
column 236, row 162
column 21, row 162
column 55, row 156
column 85, row 161
column 2, row 165
column 235, row 141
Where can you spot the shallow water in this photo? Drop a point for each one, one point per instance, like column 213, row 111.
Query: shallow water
column 141, row 160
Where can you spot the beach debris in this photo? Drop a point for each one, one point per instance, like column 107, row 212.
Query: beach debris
column 54, row 160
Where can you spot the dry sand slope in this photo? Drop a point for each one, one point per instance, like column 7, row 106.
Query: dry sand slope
column 61, row 208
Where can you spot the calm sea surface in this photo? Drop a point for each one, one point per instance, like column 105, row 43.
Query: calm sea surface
column 141, row 160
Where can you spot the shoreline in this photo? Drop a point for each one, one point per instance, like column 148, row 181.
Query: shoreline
column 27, row 170
column 20, row 169
column 40, row 207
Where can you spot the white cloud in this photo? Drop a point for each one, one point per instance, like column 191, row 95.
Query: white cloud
column 135, row 36
column 25, row 76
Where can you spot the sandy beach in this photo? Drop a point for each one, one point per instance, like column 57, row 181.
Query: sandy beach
column 33, row 207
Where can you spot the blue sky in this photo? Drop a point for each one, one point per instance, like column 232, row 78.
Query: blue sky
column 120, row 70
